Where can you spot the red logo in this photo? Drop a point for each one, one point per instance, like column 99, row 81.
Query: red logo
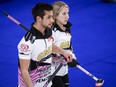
column 24, row 47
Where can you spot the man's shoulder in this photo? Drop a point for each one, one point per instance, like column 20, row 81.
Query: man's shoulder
column 29, row 37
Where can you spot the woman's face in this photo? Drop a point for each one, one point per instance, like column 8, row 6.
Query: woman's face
column 63, row 16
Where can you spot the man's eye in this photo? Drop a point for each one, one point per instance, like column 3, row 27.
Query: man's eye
column 49, row 17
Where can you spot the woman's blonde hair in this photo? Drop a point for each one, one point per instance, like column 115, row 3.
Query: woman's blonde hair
column 57, row 7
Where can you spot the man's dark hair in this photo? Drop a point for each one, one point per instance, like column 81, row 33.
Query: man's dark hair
column 39, row 9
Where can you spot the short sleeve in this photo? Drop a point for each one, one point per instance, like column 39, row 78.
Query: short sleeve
column 24, row 49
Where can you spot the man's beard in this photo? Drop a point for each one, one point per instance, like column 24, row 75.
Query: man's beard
column 48, row 27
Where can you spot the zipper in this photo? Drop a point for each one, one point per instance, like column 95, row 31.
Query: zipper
column 46, row 52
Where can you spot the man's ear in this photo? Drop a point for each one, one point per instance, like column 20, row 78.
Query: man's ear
column 38, row 18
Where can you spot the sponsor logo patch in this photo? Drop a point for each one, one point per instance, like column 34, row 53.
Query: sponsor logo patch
column 24, row 47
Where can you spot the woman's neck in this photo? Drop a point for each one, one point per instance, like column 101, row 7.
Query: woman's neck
column 61, row 25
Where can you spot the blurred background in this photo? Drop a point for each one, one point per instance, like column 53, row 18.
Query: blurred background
column 93, row 38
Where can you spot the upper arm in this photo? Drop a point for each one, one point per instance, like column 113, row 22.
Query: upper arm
column 24, row 64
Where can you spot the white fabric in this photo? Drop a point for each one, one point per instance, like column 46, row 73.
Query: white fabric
column 62, row 40
column 36, row 51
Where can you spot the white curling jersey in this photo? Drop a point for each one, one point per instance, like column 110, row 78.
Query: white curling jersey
column 35, row 47
column 62, row 40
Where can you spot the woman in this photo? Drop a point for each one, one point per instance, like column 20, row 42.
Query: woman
column 63, row 40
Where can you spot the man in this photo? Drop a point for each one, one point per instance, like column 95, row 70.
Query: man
column 35, row 49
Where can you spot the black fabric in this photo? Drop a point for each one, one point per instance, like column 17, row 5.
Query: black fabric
column 60, row 81
column 68, row 25
column 38, row 35
column 73, row 63
column 34, row 64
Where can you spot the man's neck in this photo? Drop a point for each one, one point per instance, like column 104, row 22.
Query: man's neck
column 39, row 28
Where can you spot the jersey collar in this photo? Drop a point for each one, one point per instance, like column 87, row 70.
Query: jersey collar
column 68, row 25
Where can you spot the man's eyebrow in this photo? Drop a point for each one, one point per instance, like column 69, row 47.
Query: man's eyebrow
column 50, row 15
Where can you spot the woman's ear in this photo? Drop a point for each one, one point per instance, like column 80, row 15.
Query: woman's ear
column 56, row 18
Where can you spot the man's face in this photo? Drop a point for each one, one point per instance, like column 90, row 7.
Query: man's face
column 47, row 20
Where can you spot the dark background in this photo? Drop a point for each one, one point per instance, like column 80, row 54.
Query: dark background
column 93, row 37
